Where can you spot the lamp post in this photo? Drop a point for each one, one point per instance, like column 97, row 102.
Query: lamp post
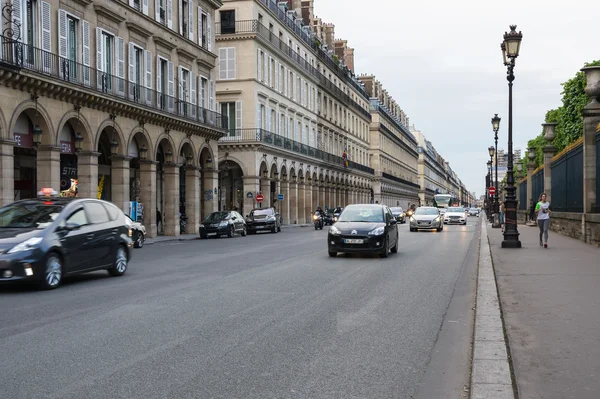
column 510, row 51
column 495, row 128
column 494, row 182
column 489, row 207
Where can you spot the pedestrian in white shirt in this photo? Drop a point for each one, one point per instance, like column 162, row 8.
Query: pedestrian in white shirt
column 543, row 218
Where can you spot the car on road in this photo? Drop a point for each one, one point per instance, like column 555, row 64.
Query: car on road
column 455, row 215
column 50, row 237
column 139, row 233
column 223, row 223
column 336, row 213
column 364, row 228
column 474, row 212
column 426, row 218
column 263, row 219
column 399, row 214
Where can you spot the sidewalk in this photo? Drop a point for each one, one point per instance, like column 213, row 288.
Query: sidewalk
column 187, row 237
column 550, row 300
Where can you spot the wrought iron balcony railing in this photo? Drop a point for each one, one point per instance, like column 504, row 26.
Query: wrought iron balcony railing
column 254, row 26
column 22, row 56
column 275, row 140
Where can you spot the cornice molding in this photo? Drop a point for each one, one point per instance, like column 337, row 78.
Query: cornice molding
column 109, row 13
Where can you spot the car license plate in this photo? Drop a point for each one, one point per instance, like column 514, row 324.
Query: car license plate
column 211, row 234
column 260, row 227
column 353, row 241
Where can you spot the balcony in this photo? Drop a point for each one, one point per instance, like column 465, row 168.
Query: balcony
column 274, row 140
column 400, row 180
column 376, row 106
column 254, row 27
column 19, row 56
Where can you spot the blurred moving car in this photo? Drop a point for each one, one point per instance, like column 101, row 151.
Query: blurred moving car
column 48, row 238
column 364, row 228
column 455, row 215
column 474, row 212
column 336, row 213
column 139, row 233
column 223, row 223
column 426, row 218
column 399, row 214
column 263, row 219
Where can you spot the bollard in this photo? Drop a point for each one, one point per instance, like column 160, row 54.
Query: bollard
column 496, row 220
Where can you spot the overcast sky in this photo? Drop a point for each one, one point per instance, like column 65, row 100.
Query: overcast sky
column 441, row 61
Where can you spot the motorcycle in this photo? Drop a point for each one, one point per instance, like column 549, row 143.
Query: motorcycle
column 182, row 223
column 318, row 220
column 409, row 213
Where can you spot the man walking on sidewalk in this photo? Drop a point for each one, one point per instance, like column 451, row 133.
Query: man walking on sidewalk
column 543, row 218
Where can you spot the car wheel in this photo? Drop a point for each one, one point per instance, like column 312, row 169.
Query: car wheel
column 413, row 230
column 316, row 227
column 279, row 228
column 120, row 263
column 386, row 250
column 139, row 240
column 53, row 273
column 244, row 231
column 321, row 227
column 332, row 254
column 274, row 229
column 395, row 248
column 203, row 236
column 231, row 231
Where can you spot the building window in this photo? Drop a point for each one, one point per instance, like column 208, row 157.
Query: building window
column 229, row 110
column 107, row 43
column 203, row 29
column 227, row 22
column 203, row 92
column 138, row 72
column 227, row 63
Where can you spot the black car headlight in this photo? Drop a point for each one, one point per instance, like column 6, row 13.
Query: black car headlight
column 26, row 245
column 334, row 231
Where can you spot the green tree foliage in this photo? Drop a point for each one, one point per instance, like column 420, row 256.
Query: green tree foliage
column 568, row 116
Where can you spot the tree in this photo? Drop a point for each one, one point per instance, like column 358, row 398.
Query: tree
column 568, row 116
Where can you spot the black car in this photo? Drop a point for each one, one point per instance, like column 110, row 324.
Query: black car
column 263, row 219
column 48, row 238
column 364, row 228
column 336, row 213
column 399, row 214
column 223, row 223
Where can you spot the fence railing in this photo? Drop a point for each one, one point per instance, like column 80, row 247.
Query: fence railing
column 254, row 26
column 400, row 180
column 567, row 181
column 523, row 196
column 597, row 204
column 275, row 140
column 22, row 56
column 537, row 184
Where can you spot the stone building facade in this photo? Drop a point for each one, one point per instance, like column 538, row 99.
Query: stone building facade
column 115, row 100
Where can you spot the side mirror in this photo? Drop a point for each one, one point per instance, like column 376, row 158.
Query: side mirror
column 247, row 216
column 393, row 221
column 68, row 227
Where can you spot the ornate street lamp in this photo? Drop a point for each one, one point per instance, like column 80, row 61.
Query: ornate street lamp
column 168, row 157
column 495, row 127
column 265, row 173
column 209, row 163
column 284, row 176
column 489, row 207
column 143, row 151
column 510, row 51
column 494, row 200
column 294, row 178
column 114, row 147
column 189, row 159
column 78, row 142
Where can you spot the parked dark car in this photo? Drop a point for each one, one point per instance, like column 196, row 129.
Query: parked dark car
column 48, row 238
column 223, row 223
column 364, row 228
column 263, row 219
column 399, row 214
column 139, row 233
column 336, row 213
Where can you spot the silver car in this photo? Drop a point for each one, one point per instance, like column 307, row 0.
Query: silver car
column 426, row 218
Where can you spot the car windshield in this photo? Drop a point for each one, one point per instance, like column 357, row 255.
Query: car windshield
column 369, row 214
column 396, row 210
column 261, row 212
column 216, row 216
column 426, row 211
column 36, row 215
column 456, row 209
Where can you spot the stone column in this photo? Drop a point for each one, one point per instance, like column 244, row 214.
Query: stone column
column 120, row 181
column 87, row 174
column 308, row 201
column 192, row 199
column 48, row 167
column 265, row 190
column 285, row 204
column 591, row 126
column 322, row 196
column 294, row 202
column 549, row 152
column 301, row 203
column 171, row 195
column 210, row 180
column 251, row 185
column 148, row 195
column 7, row 172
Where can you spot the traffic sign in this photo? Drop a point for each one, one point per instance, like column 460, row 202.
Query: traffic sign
column 249, row 195
column 260, row 198
column 279, row 197
column 492, row 190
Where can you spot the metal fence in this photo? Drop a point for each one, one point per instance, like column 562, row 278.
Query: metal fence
column 596, row 206
column 537, row 185
column 523, row 196
column 567, row 181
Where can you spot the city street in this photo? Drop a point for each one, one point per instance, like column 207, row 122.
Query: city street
column 265, row 316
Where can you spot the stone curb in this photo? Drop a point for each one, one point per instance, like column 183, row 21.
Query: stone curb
column 490, row 373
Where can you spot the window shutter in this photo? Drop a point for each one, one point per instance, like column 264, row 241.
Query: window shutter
column 281, row 79
column 222, row 63
column 86, row 58
column 170, row 14
column 181, row 96
column 238, row 115
column 171, row 84
column 46, row 16
column 259, row 58
column 121, row 66
column 148, row 65
column 209, row 31
column 231, row 73
column 200, row 26
column 159, row 89
column 268, row 117
column 145, row 7
column 157, row 10
column 62, row 36
column 266, row 68
column 180, row 9
column 270, row 81
column 276, row 76
column 131, row 85
column 99, row 58
column 190, row 20
column 193, row 94
column 211, row 93
column 258, row 120
column 131, row 3
column 295, row 94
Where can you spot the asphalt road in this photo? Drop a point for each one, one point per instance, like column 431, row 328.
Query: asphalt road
column 265, row 316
